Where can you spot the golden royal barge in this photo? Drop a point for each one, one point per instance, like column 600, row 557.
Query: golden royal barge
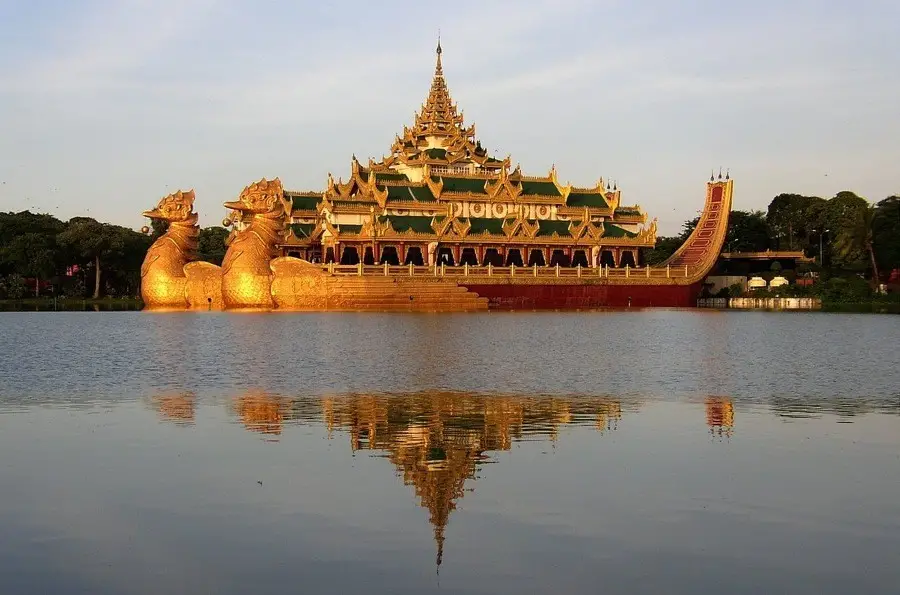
column 439, row 224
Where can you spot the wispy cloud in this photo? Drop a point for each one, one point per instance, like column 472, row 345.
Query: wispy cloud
column 110, row 39
column 147, row 94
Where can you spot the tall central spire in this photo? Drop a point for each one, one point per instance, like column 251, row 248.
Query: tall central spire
column 438, row 113
column 439, row 136
column 438, row 71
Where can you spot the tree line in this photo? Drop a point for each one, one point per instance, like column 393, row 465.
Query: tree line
column 845, row 234
column 85, row 258
column 41, row 255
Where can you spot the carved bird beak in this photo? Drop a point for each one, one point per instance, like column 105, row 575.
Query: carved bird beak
column 236, row 206
column 153, row 214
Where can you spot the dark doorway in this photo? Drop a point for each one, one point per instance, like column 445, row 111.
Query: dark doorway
column 445, row 256
column 468, row 257
column 537, row 258
column 389, row 256
column 349, row 255
column 329, row 255
column 628, row 259
column 559, row 257
column 492, row 257
column 414, row 256
column 514, row 257
column 294, row 253
column 368, row 256
column 607, row 259
column 580, row 258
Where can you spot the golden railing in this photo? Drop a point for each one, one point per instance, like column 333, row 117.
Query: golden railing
column 466, row 271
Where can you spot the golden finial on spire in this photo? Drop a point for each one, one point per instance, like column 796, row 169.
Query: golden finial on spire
column 438, row 69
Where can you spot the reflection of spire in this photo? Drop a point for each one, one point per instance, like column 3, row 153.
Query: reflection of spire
column 176, row 408
column 438, row 440
column 435, row 440
column 720, row 415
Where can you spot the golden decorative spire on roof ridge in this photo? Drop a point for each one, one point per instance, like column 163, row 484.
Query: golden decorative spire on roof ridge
column 438, row 113
column 438, row 70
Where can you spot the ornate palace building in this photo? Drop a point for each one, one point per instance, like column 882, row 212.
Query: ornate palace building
column 439, row 197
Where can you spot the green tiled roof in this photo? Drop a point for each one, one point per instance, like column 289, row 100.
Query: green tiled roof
column 404, row 223
column 614, row 231
column 391, row 176
column 486, row 224
column 305, row 203
column 302, row 230
column 436, row 153
column 547, row 227
column 585, row 199
column 349, row 229
column 420, row 193
column 474, row 186
column 628, row 211
column 540, row 188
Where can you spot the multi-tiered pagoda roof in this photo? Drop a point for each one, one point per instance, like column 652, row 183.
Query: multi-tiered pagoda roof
column 439, row 184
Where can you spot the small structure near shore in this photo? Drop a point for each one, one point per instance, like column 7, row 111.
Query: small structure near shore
column 762, row 303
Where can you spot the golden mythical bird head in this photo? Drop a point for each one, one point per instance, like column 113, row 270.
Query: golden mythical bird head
column 264, row 196
column 175, row 207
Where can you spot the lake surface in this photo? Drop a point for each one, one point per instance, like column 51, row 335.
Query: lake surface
column 619, row 452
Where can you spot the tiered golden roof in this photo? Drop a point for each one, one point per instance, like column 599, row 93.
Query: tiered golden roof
column 439, row 179
column 438, row 439
column 438, row 135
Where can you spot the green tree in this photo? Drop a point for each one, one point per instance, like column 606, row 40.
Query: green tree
column 886, row 233
column 158, row 227
column 688, row 227
column 212, row 244
column 12, row 287
column 123, row 262
column 747, row 232
column 855, row 238
column 845, row 217
column 787, row 219
column 665, row 247
column 31, row 255
column 16, row 224
column 91, row 242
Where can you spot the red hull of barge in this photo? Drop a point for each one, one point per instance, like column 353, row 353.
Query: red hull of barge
column 571, row 297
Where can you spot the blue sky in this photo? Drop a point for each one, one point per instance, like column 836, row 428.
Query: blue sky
column 107, row 105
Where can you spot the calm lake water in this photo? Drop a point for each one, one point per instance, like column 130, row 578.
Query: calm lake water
column 617, row 452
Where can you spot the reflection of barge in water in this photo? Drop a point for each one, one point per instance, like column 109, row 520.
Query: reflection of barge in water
column 386, row 235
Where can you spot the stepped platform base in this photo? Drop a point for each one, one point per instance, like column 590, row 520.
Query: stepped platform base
column 298, row 286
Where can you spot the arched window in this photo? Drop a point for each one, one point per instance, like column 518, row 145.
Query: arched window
column 536, row 258
column 514, row 257
column 414, row 256
column 389, row 256
column 349, row 255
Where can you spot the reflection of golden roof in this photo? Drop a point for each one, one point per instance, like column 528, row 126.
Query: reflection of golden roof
column 176, row 408
column 720, row 415
column 437, row 439
column 261, row 413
